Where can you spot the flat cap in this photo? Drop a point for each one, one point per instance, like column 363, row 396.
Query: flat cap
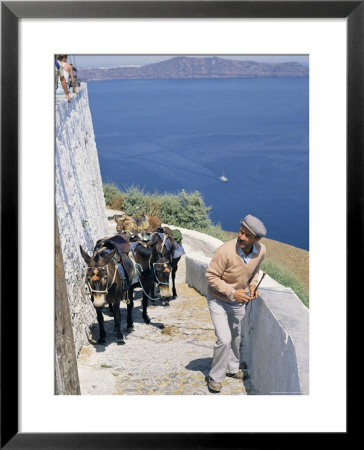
column 254, row 225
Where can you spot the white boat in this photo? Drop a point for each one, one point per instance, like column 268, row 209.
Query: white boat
column 223, row 177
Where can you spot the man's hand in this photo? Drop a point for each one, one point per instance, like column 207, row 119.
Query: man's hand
column 241, row 297
column 253, row 292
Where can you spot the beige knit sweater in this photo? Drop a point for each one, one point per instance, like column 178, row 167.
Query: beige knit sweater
column 227, row 271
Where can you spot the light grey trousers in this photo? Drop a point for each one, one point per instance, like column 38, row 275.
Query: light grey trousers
column 227, row 318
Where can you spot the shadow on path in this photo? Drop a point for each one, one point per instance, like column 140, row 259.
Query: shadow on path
column 202, row 365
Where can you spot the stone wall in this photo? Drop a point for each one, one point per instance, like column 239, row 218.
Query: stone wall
column 80, row 204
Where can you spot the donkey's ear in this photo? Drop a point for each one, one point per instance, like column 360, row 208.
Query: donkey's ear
column 85, row 256
column 106, row 259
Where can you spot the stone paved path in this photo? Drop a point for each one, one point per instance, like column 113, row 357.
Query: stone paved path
column 156, row 360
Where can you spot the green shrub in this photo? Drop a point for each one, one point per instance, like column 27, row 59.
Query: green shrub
column 117, row 202
column 194, row 213
column 184, row 209
column 153, row 206
column 170, row 211
column 110, row 192
column 134, row 201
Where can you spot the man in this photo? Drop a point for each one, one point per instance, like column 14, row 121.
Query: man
column 59, row 77
column 232, row 282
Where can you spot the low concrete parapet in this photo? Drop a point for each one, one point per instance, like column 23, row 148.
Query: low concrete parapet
column 275, row 342
column 196, row 266
column 275, row 328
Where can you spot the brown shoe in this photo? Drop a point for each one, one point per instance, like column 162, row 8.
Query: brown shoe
column 215, row 386
column 238, row 375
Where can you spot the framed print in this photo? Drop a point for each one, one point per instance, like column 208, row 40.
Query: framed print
column 26, row 322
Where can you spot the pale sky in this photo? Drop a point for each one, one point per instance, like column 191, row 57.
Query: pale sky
column 124, row 60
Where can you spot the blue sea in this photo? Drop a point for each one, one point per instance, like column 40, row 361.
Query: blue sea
column 169, row 135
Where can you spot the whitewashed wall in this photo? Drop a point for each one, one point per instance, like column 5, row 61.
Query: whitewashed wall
column 80, row 204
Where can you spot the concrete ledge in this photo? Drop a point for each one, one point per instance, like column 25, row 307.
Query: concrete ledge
column 196, row 266
column 275, row 343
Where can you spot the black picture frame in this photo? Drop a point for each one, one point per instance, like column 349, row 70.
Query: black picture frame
column 11, row 12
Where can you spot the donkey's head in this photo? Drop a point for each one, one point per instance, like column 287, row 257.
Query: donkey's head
column 119, row 223
column 100, row 275
column 162, row 264
column 161, row 272
column 154, row 223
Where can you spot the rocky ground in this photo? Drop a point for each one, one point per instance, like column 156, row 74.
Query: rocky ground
column 171, row 356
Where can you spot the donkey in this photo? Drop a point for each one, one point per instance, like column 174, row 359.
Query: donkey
column 106, row 284
column 165, row 245
column 151, row 268
column 141, row 226
column 131, row 224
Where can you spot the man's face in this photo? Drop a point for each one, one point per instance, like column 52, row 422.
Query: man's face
column 246, row 239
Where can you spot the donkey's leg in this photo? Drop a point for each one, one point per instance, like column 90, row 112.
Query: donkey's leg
column 153, row 293
column 117, row 320
column 145, row 316
column 174, row 292
column 129, row 308
column 100, row 320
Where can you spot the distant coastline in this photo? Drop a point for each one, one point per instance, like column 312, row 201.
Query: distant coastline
column 182, row 67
